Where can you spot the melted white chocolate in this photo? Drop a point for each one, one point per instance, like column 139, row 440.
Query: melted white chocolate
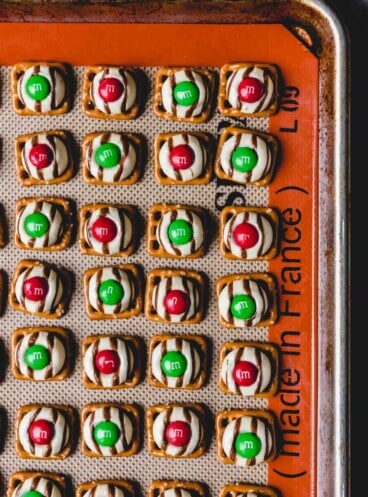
column 53, row 296
column 248, row 424
column 200, row 157
column 60, row 439
column 177, row 414
column 187, row 248
column 250, row 107
column 255, row 356
column 265, row 235
column 53, row 234
column 256, row 143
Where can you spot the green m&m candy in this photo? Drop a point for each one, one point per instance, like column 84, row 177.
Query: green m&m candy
column 186, row 93
column 174, row 364
column 33, row 493
column 110, row 292
column 242, row 306
column 108, row 155
column 247, row 445
column 38, row 87
column 180, row 232
column 36, row 224
column 37, row 357
column 106, row 433
column 244, row 159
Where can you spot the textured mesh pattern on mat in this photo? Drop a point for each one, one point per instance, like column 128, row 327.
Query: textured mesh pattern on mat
column 142, row 468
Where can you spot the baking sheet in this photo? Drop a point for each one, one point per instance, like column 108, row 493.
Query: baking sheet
column 295, row 188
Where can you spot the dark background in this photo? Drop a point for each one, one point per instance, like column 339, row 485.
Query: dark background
column 354, row 14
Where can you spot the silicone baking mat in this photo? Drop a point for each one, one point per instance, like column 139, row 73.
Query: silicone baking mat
column 293, row 191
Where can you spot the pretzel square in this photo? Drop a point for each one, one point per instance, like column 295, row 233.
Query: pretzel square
column 195, row 355
column 263, row 419
column 57, row 339
column 263, row 146
column 197, row 283
column 65, row 411
column 133, row 361
column 248, row 90
column 19, row 303
column 264, row 221
column 121, row 212
column 131, row 149
column 241, row 489
column 204, row 81
column 151, row 416
column 56, row 75
column 125, row 486
column 156, row 234
column 128, row 410
column 158, row 488
column 59, row 206
column 200, row 172
column 62, row 163
column 17, row 479
column 267, row 356
column 264, row 284
column 134, row 285
column 127, row 79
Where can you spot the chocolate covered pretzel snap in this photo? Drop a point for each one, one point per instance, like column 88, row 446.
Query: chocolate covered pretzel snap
column 40, row 353
column 112, row 158
column 41, row 289
column 184, row 94
column 183, row 158
column 177, row 361
column 110, row 430
column 246, row 438
column 36, row 484
column 174, row 296
column 111, row 92
column 176, row 430
column 249, row 368
column 44, row 431
column 43, row 224
column 247, row 490
column 246, row 157
column 248, row 90
column 249, row 233
column 175, row 231
column 107, row 229
column 247, row 300
column 113, row 292
column 103, row 488
column 176, row 488
column 111, row 361
column 44, row 158
column 40, row 88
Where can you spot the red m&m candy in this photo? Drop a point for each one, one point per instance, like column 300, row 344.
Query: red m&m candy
column 176, row 302
column 245, row 235
column 181, row 157
column 107, row 361
column 35, row 288
column 178, row 433
column 245, row 373
column 250, row 90
column 41, row 432
column 110, row 89
column 104, row 230
column 41, row 155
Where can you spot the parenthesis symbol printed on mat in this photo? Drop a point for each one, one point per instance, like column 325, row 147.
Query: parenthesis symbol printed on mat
column 288, row 475
column 297, row 188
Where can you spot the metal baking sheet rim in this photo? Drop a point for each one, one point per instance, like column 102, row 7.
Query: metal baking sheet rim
column 334, row 160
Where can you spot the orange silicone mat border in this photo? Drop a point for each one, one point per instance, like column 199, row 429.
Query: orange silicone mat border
column 214, row 45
